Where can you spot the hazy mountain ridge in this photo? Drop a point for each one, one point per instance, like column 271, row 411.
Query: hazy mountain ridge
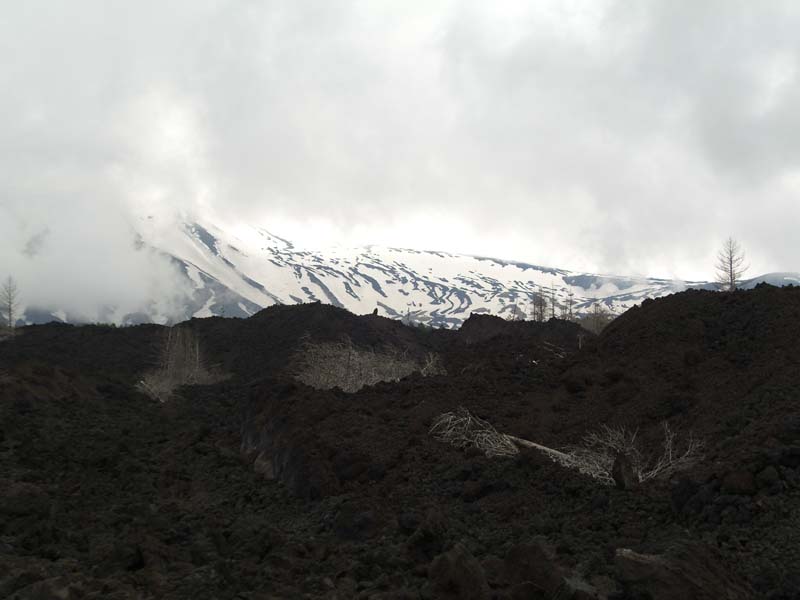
column 236, row 273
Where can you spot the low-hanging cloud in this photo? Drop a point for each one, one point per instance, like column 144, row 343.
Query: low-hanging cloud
column 92, row 270
column 600, row 135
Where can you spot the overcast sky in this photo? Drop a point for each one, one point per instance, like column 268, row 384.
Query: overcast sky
column 616, row 137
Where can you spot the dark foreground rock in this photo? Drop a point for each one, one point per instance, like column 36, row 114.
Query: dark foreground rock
column 258, row 487
column 686, row 572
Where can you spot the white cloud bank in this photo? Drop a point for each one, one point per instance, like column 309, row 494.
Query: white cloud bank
column 606, row 136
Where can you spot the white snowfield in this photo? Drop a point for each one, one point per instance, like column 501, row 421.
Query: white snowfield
column 236, row 272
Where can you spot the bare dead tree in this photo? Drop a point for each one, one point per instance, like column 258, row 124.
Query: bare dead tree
column 594, row 456
column 539, row 305
column 730, row 265
column 564, row 312
column 570, row 304
column 597, row 319
column 9, row 302
column 325, row 365
column 464, row 430
column 181, row 363
column 517, row 313
column 596, row 453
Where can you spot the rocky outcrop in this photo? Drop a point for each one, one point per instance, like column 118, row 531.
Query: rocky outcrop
column 685, row 572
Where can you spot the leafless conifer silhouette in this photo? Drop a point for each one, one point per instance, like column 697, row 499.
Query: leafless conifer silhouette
column 9, row 302
column 730, row 265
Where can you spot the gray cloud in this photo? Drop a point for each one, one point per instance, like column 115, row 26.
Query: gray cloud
column 35, row 243
column 601, row 135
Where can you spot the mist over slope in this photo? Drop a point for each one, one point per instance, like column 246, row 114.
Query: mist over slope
column 235, row 272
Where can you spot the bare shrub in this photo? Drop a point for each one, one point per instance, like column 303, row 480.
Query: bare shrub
column 594, row 457
column 432, row 365
column 463, row 430
column 181, row 363
column 326, row 365
column 596, row 454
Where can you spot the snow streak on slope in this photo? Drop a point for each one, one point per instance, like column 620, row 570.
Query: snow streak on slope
column 236, row 272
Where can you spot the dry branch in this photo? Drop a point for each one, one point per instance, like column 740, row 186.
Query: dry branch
column 594, row 457
column 463, row 429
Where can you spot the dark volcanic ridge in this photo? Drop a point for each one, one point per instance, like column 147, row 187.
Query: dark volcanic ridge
column 259, row 486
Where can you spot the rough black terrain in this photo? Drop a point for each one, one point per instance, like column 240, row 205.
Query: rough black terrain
column 259, row 487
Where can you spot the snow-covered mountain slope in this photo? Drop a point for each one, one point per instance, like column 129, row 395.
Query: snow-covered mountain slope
column 237, row 272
